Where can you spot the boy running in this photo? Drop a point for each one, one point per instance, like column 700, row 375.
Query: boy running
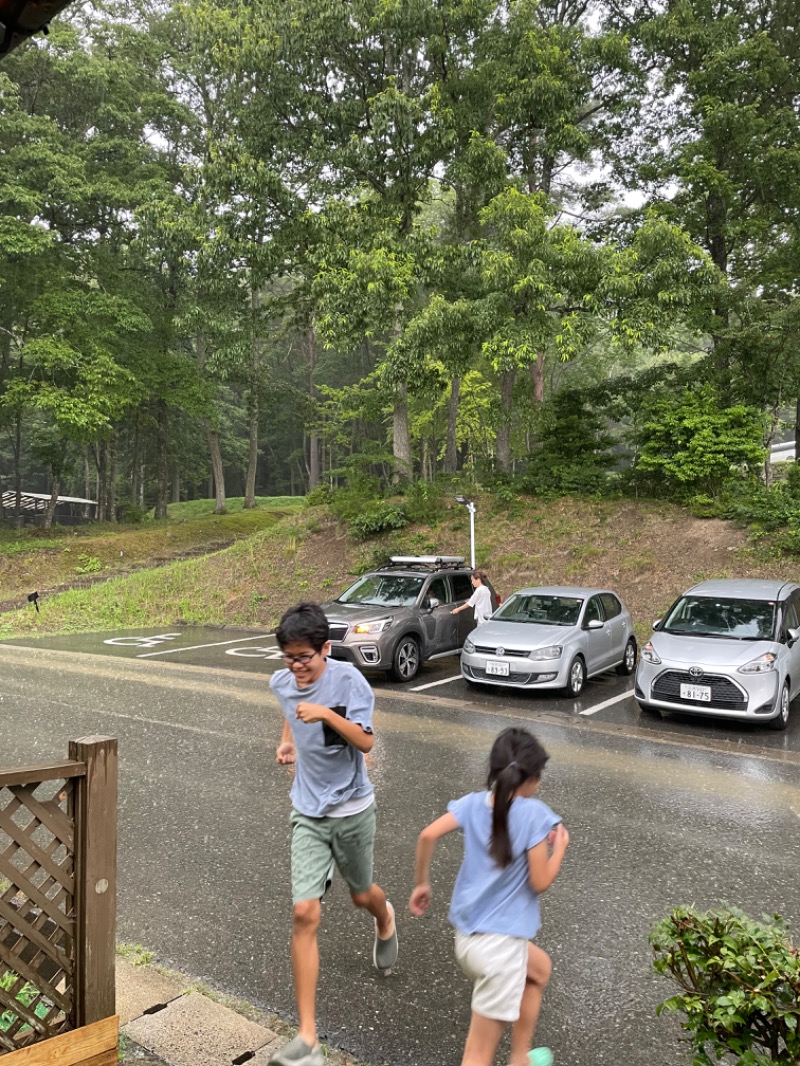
column 328, row 709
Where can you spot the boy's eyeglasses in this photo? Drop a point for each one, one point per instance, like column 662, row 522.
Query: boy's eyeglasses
column 299, row 660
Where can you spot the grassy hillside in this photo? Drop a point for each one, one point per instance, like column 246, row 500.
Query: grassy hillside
column 647, row 551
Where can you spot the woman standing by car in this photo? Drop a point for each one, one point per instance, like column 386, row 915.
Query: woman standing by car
column 480, row 600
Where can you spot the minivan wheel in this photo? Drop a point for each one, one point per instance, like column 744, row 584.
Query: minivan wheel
column 628, row 664
column 781, row 719
column 577, row 677
column 406, row 660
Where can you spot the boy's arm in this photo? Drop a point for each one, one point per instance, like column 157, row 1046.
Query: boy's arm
column 352, row 732
column 545, row 858
column 286, row 751
column 426, row 845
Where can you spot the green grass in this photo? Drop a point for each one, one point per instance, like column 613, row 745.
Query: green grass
column 181, row 512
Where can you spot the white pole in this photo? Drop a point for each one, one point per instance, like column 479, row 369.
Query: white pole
column 471, row 507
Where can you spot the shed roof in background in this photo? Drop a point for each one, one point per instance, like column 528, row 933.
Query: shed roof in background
column 30, row 501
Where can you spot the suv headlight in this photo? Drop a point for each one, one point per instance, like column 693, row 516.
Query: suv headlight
column 760, row 665
column 553, row 652
column 469, row 647
column 372, row 627
column 648, row 653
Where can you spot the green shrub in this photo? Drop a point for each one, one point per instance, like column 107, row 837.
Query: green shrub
column 739, row 983
column 424, row 502
column 380, row 519
column 319, row 496
column 695, row 444
column 573, row 451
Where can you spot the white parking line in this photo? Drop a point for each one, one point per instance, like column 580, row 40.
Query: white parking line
column 196, row 647
column 433, row 684
column 607, row 703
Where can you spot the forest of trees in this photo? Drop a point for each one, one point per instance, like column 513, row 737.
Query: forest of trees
column 260, row 247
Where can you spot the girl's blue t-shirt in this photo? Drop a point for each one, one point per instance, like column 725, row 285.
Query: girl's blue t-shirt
column 488, row 898
column 328, row 770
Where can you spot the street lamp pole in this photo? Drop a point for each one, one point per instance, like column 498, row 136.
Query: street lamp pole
column 470, row 506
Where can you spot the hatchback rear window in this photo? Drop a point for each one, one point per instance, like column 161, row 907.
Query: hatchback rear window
column 714, row 616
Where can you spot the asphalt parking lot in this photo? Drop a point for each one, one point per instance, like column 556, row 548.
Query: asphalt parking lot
column 606, row 699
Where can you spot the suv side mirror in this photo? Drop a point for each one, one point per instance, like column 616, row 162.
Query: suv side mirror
column 657, row 623
column 594, row 623
column 793, row 635
column 431, row 603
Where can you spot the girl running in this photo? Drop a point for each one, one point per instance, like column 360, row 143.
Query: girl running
column 513, row 849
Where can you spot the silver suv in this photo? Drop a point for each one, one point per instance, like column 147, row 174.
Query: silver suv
column 399, row 615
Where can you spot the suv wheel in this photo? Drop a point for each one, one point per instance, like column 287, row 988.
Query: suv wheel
column 406, row 660
column 626, row 667
column 781, row 719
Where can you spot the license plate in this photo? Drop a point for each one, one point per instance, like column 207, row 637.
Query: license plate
column 702, row 693
column 496, row 668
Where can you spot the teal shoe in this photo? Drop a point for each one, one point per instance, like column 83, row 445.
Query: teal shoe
column 540, row 1056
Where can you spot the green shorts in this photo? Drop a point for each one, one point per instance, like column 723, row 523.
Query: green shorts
column 348, row 841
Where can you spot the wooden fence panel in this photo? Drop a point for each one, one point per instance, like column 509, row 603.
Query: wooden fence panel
column 57, row 895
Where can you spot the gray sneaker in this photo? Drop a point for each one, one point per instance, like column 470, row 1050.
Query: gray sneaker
column 298, row 1053
column 384, row 954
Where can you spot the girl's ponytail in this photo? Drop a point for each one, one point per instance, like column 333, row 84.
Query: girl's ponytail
column 516, row 757
column 505, row 785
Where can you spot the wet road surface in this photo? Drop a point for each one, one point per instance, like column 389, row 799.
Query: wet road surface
column 660, row 811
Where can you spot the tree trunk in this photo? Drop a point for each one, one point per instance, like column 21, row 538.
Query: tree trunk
column 252, row 453
column 797, row 430
column 314, row 465
column 136, row 466
column 218, row 470
column 100, row 459
column 87, row 486
column 401, row 437
column 503, row 439
column 162, row 478
column 537, row 376
column 253, row 405
column 52, row 503
column 111, row 492
column 176, row 485
column 450, row 464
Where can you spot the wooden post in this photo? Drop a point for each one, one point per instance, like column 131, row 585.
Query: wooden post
column 95, row 878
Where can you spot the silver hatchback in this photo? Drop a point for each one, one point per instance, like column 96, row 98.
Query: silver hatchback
column 551, row 638
column 727, row 649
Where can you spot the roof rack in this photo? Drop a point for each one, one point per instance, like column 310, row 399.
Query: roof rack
column 424, row 562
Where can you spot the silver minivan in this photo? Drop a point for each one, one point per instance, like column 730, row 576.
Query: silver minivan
column 727, row 649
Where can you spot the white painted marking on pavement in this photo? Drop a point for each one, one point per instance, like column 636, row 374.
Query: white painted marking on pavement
column 433, row 684
column 196, row 647
column 606, row 703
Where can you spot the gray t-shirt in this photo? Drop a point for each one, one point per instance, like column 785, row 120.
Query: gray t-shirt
column 328, row 770
column 488, row 898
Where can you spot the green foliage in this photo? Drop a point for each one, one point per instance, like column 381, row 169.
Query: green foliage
column 573, row 449
column 424, row 502
column 694, row 444
column 88, row 564
column 27, row 995
column 739, row 984
column 379, row 519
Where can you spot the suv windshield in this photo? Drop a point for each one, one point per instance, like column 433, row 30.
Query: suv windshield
column 542, row 610
column 384, row 590
column 712, row 616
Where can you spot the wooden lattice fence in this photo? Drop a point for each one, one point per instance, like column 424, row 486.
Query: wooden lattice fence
column 58, row 907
